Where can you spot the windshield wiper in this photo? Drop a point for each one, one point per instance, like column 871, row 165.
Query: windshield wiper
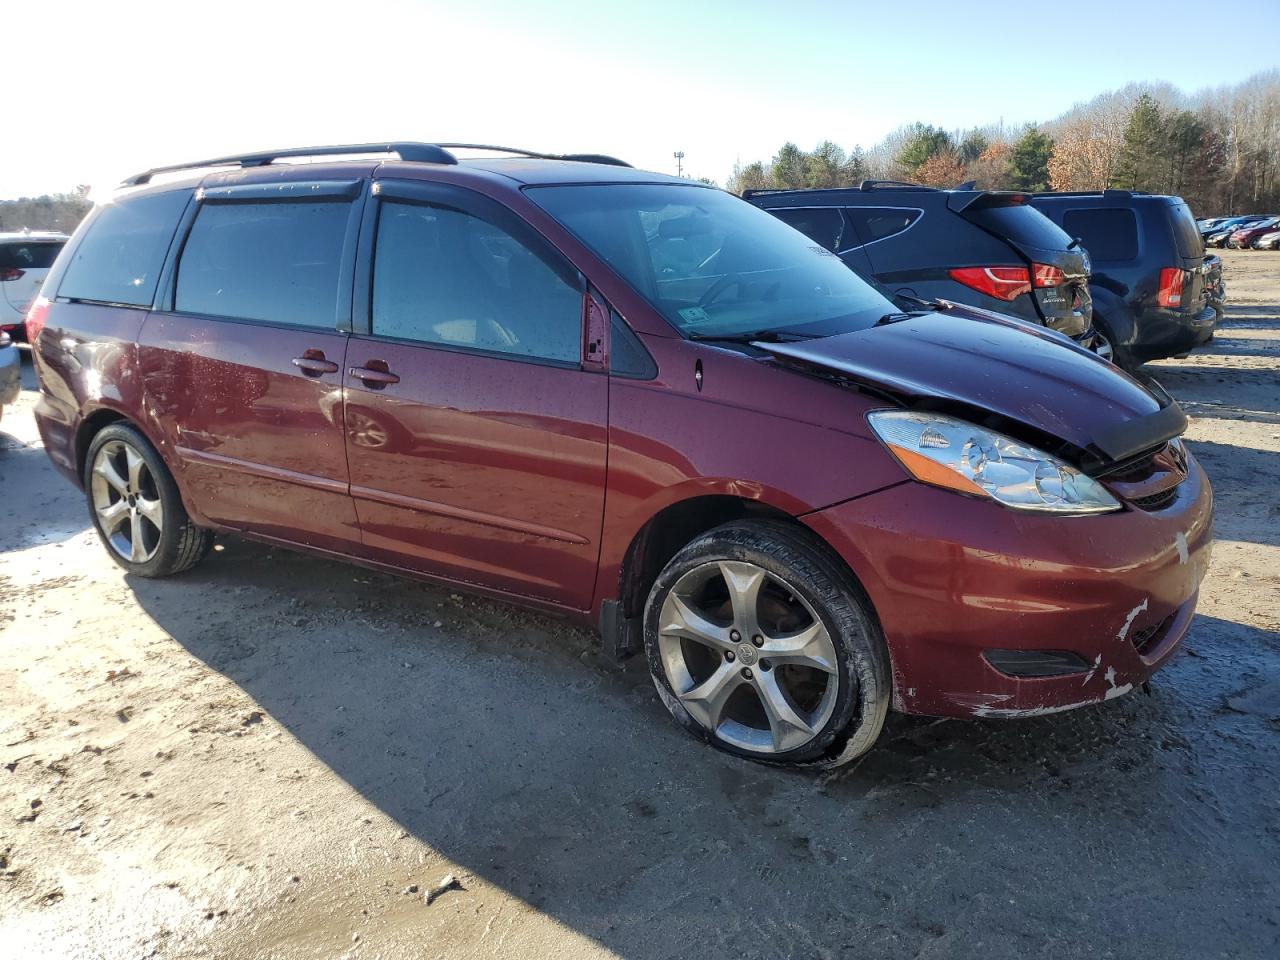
column 759, row 336
column 924, row 304
column 889, row 318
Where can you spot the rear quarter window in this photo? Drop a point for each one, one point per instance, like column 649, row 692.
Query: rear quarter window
column 29, row 256
column 880, row 223
column 1107, row 234
column 1021, row 224
column 119, row 258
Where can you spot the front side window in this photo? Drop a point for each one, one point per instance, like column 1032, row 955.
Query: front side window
column 277, row 262
column 120, row 257
column 443, row 276
column 712, row 264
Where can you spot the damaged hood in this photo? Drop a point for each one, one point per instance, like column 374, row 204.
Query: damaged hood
column 991, row 363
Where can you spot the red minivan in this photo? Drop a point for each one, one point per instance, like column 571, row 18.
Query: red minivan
column 635, row 400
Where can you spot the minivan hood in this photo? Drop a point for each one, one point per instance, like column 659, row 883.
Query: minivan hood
column 992, row 363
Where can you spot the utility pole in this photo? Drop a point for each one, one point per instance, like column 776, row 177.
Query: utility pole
column 679, row 155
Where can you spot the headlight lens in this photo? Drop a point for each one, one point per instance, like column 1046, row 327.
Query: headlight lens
column 959, row 456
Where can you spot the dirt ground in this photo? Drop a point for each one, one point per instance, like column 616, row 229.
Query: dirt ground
column 279, row 756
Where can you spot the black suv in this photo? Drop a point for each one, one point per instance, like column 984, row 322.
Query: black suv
column 978, row 247
column 1150, row 296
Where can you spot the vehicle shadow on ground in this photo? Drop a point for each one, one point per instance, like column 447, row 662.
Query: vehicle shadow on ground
column 1247, row 510
column 503, row 741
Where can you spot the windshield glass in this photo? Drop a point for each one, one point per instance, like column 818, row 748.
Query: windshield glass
column 712, row 264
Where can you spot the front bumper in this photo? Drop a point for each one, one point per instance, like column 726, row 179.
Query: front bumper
column 951, row 577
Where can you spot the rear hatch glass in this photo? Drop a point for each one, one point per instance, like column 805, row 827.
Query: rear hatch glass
column 29, row 256
column 1185, row 233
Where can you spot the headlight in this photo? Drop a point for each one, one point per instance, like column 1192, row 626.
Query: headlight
column 950, row 453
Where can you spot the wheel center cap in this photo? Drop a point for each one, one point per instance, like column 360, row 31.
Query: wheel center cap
column 747, row 654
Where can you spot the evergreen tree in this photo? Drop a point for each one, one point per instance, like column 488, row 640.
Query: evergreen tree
column 1029, row 161
column 789, row 167
column 1142, row 155
column 923, row 141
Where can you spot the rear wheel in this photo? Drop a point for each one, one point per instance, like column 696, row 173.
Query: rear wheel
column 760, row 645
column 136, row 507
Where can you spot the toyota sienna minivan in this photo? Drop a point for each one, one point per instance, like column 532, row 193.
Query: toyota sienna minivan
column 635, row 400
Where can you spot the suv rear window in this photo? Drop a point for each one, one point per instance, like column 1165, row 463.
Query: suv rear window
column 1020, row 224
column 1106, row 234
column 1185, row 233
column 119, row 259
column 277, row 262
column 29, row 256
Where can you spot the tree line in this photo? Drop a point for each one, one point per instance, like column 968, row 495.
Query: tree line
column 59, row 211
column 1219, row 149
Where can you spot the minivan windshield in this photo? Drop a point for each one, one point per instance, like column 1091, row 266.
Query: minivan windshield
column 715, row 265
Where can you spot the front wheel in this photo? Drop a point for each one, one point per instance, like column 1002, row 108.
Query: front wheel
column 760, row 644
column 136, row 506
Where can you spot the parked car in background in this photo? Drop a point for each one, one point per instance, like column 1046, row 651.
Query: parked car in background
column 25, row 259
column 635, row 400
column 1148, row 282
column 1243, row 236
column 1224, row 225
column 10, row 372
column 984, row 248
column 1268, row 241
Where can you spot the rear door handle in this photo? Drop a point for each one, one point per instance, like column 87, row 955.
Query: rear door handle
column 371, row 376
column 313, row 363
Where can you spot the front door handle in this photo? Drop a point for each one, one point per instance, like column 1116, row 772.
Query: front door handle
column 313, row 363
column 373, row 376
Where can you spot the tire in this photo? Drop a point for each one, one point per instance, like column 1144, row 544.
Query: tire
column 696, row 638
column 136, row 507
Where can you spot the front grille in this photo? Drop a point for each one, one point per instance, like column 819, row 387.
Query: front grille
column 1134, row 472
column 1157, row 501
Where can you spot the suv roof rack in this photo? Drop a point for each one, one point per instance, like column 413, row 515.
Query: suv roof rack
column 868, row 185
column 424, row 152
column 405, row 150
column 1109, row 192
column 580, row 157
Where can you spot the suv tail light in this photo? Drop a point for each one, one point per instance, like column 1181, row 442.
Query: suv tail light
column 36, row 317
column 10, row 273
column 1003, row 283
column 1171, row 280
column 1044, row 275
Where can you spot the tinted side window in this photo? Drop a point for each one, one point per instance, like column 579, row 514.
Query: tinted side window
column 1106, row 234
column 274, row 261
column 29, row 256
column 877, row 223
column 627, row 355
column 447, row 277
column 824, row 226
column 119, row 259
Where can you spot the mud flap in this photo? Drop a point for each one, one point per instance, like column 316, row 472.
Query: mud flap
column 622, row 636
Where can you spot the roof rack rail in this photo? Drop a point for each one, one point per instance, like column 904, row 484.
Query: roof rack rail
column 422, row 152
column 869, row 185
column 1109, row 192
column 580, row 157
column 748, row 194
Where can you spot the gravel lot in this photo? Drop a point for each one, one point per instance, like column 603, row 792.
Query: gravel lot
column 281, row 756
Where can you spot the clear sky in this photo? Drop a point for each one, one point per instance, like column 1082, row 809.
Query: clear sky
column 119, row 85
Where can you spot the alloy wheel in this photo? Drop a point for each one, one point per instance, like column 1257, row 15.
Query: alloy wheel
column 127, row 502
column 748, row 657
column 1102, row 347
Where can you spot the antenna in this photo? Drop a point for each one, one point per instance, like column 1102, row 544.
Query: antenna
column 679, row 155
